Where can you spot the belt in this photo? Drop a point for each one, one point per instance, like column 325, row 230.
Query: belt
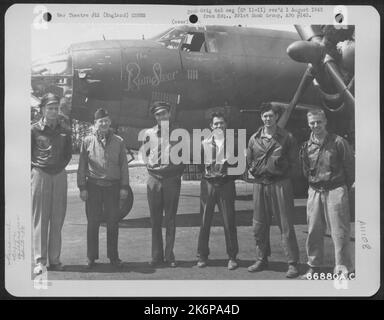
column 102, row 182
column 269, row 179
column 218, row 181
column 326, row 187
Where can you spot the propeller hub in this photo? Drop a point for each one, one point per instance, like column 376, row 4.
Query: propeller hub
column 306, row 52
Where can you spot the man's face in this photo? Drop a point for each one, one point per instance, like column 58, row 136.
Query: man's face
column 51, row 111
column 317, row 123
column 218, row 123
column 103, row 124
column 269, row 118
column 162, row 115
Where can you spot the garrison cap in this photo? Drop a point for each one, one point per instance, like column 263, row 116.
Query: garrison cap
column 159, row 106
column 101, row 113
column 49, row 98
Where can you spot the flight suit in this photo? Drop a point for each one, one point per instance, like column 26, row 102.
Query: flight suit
column 272, row 162
column 217, row 187
column 330, row 170
column 163, row 192
column 103, row 171
column 51, row 151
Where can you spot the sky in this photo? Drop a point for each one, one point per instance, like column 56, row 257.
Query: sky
column 58, row 36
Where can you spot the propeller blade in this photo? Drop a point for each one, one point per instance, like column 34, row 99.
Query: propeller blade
column 309, row 33
column 334, row 73
column 306, row 79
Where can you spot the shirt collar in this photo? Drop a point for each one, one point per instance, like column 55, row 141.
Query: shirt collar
column 157, row 128
column 101, row 136
column 312, row 140
column 211, row 137
column 43, row 124
column 260, row 133
column 264, row 135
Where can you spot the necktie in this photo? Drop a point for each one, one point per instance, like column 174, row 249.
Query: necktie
column 214, row 151
column 103, row 139
column 159, row 145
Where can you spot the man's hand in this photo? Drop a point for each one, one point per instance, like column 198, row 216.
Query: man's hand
column 84, row 195
column 123, row 194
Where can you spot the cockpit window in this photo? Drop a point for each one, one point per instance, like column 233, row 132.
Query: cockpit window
column 189, row 41
column 199, row 40
column 194, row 42
column 172, row 39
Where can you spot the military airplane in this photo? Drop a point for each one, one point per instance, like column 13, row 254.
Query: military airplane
column 199, row 69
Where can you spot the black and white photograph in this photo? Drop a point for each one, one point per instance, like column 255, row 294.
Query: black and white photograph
column 168, row 144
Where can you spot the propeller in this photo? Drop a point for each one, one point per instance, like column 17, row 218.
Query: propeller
column 322, row 68
column 312, row 49
column 303, row 85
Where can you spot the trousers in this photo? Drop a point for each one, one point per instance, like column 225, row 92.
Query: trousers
column 49, row 205
column 163, row 196
column 224, row 196
column 102, row 200
column 275, row 199
column 328, row 208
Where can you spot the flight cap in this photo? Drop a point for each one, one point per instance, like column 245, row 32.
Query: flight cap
column 160, row 106
column 101, row 113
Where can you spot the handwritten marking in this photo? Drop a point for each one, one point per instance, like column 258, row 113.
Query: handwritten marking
column 364, row 236
column 141, row 55
column 15, row 245
column 136, row 81
column 193, row 74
